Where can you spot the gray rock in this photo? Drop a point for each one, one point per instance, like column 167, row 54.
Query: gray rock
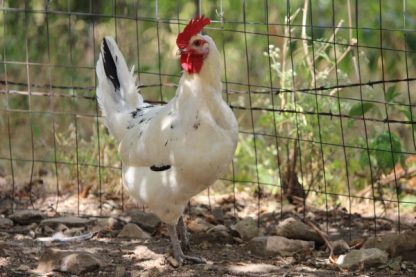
column 69, row 221
column 132, row 231
column 26, row 216
column 362, row 258
column 295, row 229
column 73, row 262
column 219, row 229
column 199, row 225
column 268, row 246
column 403, row 244
column 340, row 247
column 246, row 228
column 147, row 221
column 220, row 234
column 5, row 223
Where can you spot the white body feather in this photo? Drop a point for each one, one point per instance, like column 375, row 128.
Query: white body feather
column 195, row 134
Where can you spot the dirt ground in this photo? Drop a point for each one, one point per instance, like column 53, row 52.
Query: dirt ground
column 21, row 251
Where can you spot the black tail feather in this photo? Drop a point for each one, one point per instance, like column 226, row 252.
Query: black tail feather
column 110, row 67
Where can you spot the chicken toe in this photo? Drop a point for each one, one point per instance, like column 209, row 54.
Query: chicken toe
column 177, row 250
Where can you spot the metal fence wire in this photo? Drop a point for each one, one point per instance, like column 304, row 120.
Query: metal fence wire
column 324, row 92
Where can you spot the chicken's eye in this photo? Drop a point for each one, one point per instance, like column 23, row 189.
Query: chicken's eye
column 197, row 42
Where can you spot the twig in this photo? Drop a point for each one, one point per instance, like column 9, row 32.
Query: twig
column 328, row 42
column 305, row 44
column 354, row 58
column 324, row 237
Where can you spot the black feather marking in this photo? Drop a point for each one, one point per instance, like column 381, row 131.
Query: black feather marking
column 159, row 168
column 166, row 143
column 147, row 105
column 110, row 67
column 141, row 121
column 136, row 113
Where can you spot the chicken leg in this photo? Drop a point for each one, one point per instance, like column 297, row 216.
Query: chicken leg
column 183, row 235
column 177, row 250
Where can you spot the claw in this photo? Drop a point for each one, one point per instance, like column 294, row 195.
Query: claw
column 185, row 259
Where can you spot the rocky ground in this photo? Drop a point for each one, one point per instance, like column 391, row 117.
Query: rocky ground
column 42, row 241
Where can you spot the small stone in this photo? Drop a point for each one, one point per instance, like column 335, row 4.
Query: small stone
column 246, row 228
column 340, row 247
column 199, row 225
column 69, row 221
column 26, row 216
column 5, row 223
column 363, row 257
column 73, row 262
column 147, row 221
column 403, row 244
column 268, row 246
column 219, row 229
column 132, row 231
column 172, row 261
column 294, row 229
column 220, row 234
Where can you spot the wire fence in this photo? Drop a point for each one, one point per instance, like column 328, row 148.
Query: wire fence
column 323, row 91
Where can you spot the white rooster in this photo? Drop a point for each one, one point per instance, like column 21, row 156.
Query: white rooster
column 170, row 152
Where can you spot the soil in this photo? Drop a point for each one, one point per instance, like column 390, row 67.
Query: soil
column 20, row 250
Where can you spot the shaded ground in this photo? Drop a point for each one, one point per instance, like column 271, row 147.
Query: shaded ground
column 226, row 255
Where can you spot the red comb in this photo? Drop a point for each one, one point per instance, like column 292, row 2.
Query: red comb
column 194, row 27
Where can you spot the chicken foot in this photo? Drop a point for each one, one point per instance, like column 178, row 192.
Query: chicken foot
column 177, row 250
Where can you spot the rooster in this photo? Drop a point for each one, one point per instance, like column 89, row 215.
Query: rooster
column 174, row 151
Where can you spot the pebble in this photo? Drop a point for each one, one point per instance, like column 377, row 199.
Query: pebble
column 246, row 228
column 364, row 257
column 132, row 231
column 73, row 262
column 267, row 246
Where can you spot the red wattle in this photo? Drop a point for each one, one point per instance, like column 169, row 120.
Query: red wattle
column 192, row 63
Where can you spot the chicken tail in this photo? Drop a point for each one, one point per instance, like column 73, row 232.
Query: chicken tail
column 117, row 91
